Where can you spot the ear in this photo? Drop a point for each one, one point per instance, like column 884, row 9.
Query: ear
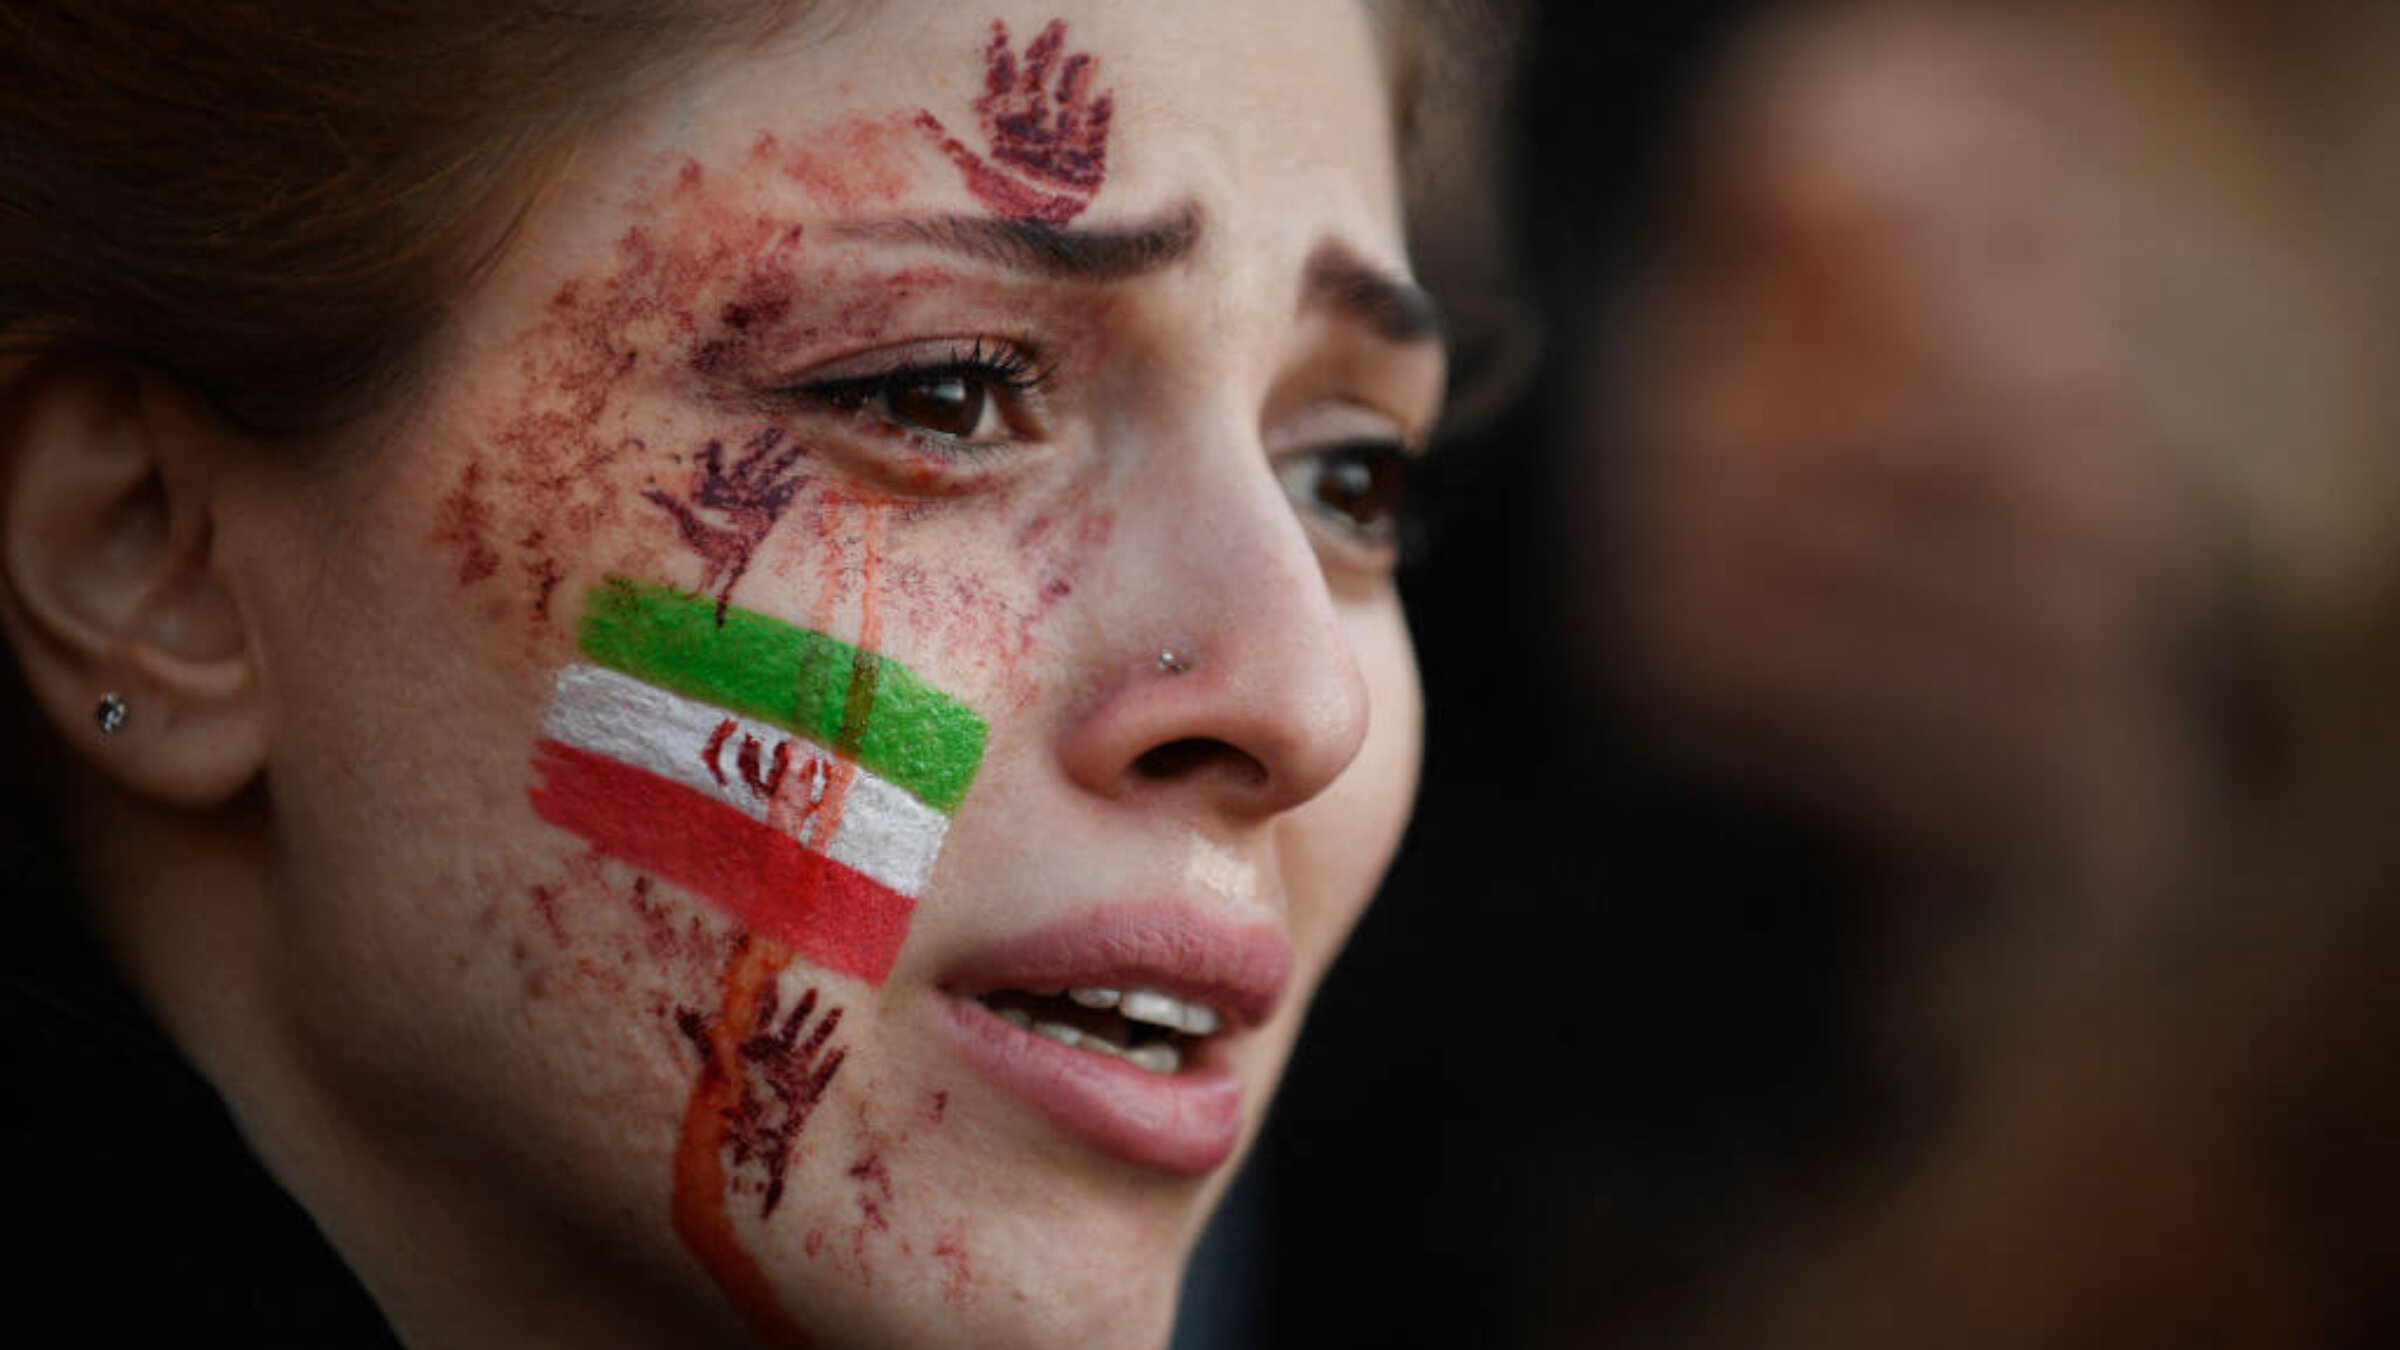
column 109, row 582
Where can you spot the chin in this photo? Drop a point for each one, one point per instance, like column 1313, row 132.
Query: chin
column 1083, row 1269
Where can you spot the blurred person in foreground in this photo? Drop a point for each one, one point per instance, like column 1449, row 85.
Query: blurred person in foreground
column 2009, row 477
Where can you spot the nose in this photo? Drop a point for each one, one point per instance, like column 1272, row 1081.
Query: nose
column 1222, row 680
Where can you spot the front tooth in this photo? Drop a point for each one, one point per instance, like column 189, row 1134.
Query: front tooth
column 1158, row 1057
column 1200, row 1020
column 1094, row 997
column 1149, row 1005
column 1059, row 1032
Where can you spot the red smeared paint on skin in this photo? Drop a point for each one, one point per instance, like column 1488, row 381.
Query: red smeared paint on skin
column 463, row 522
column 591, row 928
column 674, row 934
column 850, row 166
column 701, row 272
column 1045, row 132
column 545, row 904
column 546, row 575
column 745, row 500
column 958, row 1273
column 874, row 1198
column 759, row 1082
column 994, row 624
column 875, row 1191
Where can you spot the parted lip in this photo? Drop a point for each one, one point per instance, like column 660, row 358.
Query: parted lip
column 1238, row 969
column 1189, row 1121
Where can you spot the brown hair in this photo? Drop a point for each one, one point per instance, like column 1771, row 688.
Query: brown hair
column 273, row 201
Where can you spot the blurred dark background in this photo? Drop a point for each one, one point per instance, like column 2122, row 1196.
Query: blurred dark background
column 1596, row 1020
column 1909, row 635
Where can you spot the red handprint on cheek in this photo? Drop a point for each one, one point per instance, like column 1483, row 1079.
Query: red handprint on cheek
column 746, row 498
column 1041, row 120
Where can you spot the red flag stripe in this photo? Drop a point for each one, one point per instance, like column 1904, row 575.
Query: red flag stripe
column 831, row 915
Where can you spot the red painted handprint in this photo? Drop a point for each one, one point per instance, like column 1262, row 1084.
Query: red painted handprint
column 748, row 497
column 1041, row 120
column 775, row 1081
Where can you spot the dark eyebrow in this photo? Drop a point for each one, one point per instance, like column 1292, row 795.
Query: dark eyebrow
column 1398, row 309
column 1074, row 253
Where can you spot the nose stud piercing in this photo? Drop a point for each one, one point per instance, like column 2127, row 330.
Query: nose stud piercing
column 111, row 714
column 1172, row 663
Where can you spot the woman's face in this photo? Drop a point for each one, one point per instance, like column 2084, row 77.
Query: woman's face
column 889, row 576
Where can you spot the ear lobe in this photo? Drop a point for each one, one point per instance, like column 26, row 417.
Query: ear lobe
column 109, row 581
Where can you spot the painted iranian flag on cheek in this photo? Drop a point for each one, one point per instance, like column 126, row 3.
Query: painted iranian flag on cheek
column 794, row 781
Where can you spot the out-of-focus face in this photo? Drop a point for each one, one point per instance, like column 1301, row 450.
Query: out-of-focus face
column 890, row 577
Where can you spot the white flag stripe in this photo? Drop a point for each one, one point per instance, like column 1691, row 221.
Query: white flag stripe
column 885, row 832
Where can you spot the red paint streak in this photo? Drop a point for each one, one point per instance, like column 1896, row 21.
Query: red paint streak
column 711, row 1122
column 1046, row 139
column 842, row 771
column 463, row 521
column 837, row 917
column 716, row 745
column 745, row 499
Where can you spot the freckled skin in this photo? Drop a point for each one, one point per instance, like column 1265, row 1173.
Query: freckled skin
column 498, row 1046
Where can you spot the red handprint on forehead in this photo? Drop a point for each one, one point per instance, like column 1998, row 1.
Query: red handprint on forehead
column 1040, row 119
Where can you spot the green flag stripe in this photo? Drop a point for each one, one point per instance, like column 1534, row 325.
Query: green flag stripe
column 868, row 707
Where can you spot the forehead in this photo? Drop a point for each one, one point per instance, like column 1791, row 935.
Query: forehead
column 1272, row 115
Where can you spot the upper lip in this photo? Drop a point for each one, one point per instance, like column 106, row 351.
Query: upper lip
column 1238, row 968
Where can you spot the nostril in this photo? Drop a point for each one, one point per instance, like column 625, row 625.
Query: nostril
column 1191, row 755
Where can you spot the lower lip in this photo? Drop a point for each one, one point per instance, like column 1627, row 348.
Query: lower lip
column 1188, row 1122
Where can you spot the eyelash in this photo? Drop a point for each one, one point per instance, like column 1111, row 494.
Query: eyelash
column 1011, row 372
column 1008, row 369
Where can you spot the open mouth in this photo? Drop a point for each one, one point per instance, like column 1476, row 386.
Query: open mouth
column 1143, row 1027
column 1121, row 1025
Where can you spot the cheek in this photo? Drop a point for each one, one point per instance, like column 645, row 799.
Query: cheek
column 973, row 591
column 442, row 955
column 1337, row 847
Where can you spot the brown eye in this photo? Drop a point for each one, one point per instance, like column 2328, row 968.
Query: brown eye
column 1359, row 486
column 964, row 401
column 946, row 405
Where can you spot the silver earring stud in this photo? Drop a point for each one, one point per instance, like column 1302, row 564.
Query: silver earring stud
column 112, row 714
column 1172, row 663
